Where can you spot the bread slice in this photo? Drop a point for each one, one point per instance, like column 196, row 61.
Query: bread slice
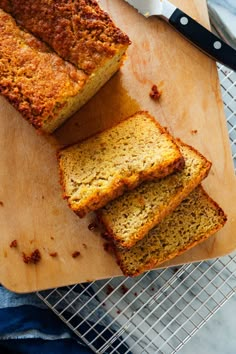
column 101, row 168
column 129, row 218
column 192, row 222
column 45, row 89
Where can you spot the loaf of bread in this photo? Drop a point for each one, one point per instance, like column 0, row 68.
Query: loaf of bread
column 79, row 31
column 43, row 87
column 192, row 222
column 128, row 218
column 101, row 168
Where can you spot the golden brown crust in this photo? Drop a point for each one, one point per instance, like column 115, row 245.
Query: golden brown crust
column 32, row 78
column 43, row 87
column 79, row 31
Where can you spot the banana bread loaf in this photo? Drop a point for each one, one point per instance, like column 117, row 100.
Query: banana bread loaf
column 129, row 218
column 192, row 222
column 99, row 169
column 79, row 31
column 45, row 89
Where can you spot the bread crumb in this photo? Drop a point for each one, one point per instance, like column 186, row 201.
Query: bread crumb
column 92, row 226
column 109, row 289
column 34, row 257
column 124, row 289
column 13, row 244
column 194, row 131
column 1, row 203
column 53, row 254
column 155, row 94
column 75, row 254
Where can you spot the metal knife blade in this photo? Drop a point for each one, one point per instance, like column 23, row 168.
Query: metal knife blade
column 198, row 35
column 153, row 7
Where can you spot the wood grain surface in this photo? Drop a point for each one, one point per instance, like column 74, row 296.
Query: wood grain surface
column 32, row 210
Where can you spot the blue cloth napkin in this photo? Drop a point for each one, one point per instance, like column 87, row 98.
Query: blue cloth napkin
column 28, row 326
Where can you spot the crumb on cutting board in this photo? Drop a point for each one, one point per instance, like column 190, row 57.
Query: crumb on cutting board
column 53, row 254
column 13, row 244
column 155, row 94
column 34, row 257
column 76, row 254
column 92, row 226
column 194, row 131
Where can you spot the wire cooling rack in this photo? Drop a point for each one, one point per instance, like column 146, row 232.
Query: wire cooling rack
column 161, row 310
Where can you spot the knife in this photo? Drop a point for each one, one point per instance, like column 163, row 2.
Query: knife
column 198, row 35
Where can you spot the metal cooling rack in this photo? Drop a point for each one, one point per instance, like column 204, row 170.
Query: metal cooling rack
column 161, row 310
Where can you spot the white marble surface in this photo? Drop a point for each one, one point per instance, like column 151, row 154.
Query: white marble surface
column 218, row 334
column 223, row 17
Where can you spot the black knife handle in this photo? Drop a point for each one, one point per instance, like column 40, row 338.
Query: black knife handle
column 203, row 39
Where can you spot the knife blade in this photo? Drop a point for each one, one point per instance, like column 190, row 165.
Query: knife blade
column 198, row 35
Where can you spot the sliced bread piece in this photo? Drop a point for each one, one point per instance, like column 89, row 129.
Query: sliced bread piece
column 129, row 218
column 101, row 168
column 192, row 222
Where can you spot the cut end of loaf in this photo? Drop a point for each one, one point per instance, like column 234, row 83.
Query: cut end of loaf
column 135, row 150
column 193, row 221
column 91, row 86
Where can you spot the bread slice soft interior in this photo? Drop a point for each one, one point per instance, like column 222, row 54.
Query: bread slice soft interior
column 100, row 168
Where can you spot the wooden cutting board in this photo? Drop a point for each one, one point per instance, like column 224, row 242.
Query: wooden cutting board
column 32, row 210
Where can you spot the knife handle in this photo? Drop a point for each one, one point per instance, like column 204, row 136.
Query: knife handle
column 203, row 39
